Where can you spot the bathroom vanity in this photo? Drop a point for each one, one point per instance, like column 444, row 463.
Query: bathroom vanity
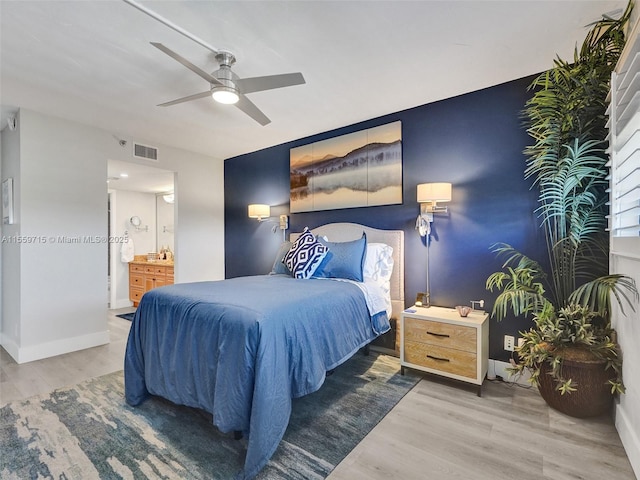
column 145, row 275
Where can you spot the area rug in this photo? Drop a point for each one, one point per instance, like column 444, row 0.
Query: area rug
column 127, row 316
column 88, row 431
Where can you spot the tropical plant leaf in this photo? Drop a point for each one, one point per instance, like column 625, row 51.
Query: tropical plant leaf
column 596, row 294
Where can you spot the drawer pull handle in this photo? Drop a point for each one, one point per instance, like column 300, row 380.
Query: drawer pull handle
column 443, row 335
column 440, row 359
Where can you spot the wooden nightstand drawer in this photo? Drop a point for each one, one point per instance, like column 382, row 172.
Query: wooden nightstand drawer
column 447, row 335
column 439, row 341
column 442, row 359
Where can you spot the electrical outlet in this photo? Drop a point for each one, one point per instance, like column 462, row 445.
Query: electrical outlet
column 509, row 341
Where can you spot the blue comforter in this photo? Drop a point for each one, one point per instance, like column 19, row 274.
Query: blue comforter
column 242, row 348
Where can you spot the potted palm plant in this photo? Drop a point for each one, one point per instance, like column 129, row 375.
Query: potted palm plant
column 571, row 306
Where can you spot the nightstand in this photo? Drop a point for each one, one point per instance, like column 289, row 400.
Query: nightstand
column 438, row 340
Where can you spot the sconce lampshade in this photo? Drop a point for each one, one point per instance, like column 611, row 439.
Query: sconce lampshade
column 434, row 192
column 168, row 197
column 259, row 211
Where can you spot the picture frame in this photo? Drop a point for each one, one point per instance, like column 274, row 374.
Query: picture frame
column 358, row 169
column 7, row 201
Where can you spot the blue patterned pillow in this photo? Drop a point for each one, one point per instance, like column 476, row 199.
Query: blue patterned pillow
column 305, row 255
column 344, row 260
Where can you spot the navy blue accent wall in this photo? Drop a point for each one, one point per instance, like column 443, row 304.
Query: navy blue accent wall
column 475, row 141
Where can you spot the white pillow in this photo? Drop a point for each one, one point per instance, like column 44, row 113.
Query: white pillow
column 378, row 265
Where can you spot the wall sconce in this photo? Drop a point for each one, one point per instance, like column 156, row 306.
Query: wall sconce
column 169, row 197
column 428, row 196
column 263, row 212
column 259, row 211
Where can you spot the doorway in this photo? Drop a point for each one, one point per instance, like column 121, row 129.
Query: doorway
column 135, row 191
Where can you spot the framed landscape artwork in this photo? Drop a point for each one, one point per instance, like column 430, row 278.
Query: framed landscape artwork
column 360, row 169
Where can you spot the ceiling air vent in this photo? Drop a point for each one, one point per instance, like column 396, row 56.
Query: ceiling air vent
column 145, row 151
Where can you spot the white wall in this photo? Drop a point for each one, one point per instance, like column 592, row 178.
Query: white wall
column 10, row 325
column 165, row 218
column 58, row 298
column 1, row 231
column 142, row 205
column 125, row 205
column 625, row 259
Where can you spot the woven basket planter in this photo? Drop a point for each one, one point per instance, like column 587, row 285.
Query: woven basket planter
column 593, row 392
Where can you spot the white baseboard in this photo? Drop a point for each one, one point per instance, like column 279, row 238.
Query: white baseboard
column 121, row 303
column 629, row 438
column 10, row 346
column 499, row 368
column 60, row 347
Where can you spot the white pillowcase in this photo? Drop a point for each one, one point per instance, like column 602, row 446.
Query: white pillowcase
column 378, row 265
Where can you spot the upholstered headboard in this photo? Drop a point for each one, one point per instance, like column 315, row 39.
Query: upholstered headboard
column 344, row 232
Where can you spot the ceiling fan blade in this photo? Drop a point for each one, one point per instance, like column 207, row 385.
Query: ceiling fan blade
column 258, row 84
column 187, row 63
column 195, row 96
column 250, row 109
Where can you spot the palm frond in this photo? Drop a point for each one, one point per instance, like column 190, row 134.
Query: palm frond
column 596, row 294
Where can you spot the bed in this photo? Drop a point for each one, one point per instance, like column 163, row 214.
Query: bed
column 243, row 348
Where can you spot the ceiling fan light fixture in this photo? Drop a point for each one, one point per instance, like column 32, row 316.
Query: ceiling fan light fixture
column 226, row 95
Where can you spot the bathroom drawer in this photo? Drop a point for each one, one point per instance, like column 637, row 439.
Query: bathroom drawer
column 134, row 268
column 155, row 270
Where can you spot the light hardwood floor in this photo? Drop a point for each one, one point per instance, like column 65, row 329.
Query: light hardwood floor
column 438, row 431
column 22, row 381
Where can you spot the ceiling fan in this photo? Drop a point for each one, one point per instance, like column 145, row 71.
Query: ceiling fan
column 226, row 87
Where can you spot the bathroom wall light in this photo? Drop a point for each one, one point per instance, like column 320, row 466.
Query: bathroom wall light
column 169, row 197
column 259, row 211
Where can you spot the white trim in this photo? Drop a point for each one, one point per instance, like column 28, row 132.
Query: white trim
column 121, row 303
column 498, row 368
column 628, row 437
column 625, row 247
column 9, row 345
column 60, row 347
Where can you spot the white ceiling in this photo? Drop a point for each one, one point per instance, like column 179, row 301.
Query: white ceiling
column 91, row 61
column 138, row 178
